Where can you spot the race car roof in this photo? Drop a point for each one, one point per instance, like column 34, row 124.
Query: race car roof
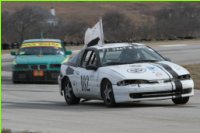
column 113, row 45
column 42, row 40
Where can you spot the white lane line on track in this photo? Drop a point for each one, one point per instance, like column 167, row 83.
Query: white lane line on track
column 174, row 45
column 75, row 51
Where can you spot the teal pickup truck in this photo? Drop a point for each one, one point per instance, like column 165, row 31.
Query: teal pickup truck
column 38, row 60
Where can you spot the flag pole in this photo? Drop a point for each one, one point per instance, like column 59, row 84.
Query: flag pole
column 101, row 31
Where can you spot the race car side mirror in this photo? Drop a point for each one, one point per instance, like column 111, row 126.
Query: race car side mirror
column 167, row 59
column 91, row 67
column 68, row 52
column 13, row 53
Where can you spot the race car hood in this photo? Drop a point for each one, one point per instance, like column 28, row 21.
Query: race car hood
column 34, row 59
column 148, row 71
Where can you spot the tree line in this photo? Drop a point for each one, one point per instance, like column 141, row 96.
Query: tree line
column 175, row 21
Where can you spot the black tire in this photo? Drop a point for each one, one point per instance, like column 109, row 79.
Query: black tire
column 107, row 94
column 14, row 81
column 181, row 100
column 69, row 96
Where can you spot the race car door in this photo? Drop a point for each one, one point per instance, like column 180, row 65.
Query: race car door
column 88, row 78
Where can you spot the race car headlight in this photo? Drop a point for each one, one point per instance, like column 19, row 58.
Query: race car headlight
column 14, row 62
column 128, row 82
column 121, row 83
column 184, row 77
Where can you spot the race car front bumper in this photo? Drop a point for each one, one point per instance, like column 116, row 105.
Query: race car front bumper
column 28, row 76
column 159, row 91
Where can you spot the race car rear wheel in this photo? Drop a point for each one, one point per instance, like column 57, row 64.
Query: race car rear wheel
column 181, row 100
column 70, row 98
column 107, row 93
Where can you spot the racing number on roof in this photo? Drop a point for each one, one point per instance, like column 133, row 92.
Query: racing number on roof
column 84, row 82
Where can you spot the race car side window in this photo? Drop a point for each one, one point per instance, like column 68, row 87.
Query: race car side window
column 86, row 58
column 89, row 58
column 92, row 60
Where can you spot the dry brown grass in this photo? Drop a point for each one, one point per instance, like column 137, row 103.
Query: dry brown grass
column 194, row 69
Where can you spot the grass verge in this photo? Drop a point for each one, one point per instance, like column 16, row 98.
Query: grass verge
column 194, row 69
column 4, row 130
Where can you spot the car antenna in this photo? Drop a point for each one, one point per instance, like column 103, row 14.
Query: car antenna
column 42, row 35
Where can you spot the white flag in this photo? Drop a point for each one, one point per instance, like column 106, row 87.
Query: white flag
column 94, row 35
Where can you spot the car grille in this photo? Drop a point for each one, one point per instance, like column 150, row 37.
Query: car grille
column 38, row 66
column 159, row 94
column 55, row 65
column 21, row 66
column 27, row 76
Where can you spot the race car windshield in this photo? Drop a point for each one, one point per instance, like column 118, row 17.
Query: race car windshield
column 128, row 55
column 41, row 51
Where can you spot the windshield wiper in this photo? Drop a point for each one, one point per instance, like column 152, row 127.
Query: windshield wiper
column 113, row 63
column 26, row 54
column 120, row 63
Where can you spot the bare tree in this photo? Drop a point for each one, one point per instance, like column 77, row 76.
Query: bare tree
column 178, row 20
column 5, row 27
column 75, row 31
column 27, row 19
column 117, row 26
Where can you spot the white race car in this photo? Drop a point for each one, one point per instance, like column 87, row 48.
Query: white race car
column 123, row 72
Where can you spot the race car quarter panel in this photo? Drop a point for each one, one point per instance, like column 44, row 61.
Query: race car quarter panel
column 65, row 72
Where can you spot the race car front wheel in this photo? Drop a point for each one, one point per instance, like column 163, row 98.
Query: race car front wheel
column 107, row 93
column 14, row 80
column 181, row 100
column 70, row 98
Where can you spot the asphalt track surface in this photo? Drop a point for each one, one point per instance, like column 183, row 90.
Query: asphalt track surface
column 39, row 107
